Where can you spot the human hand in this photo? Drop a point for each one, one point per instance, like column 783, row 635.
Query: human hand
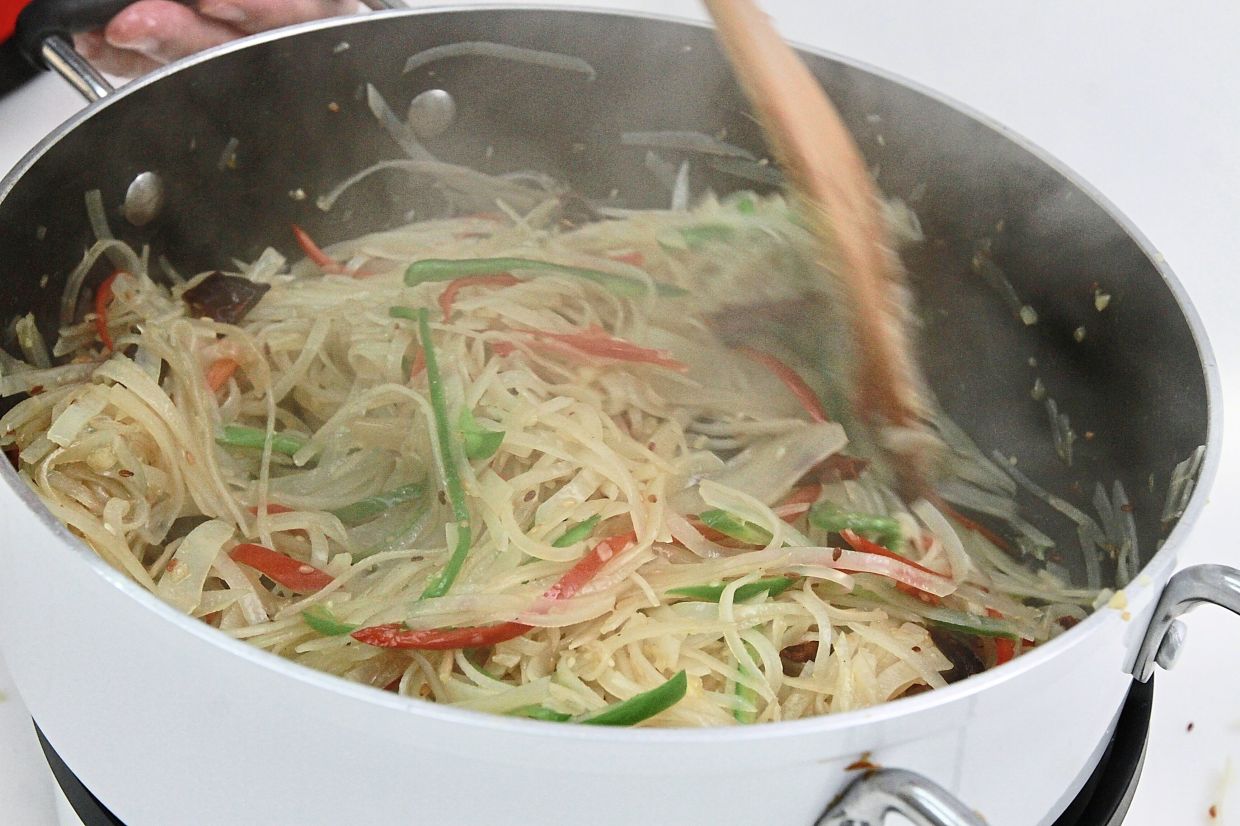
column 150, row 33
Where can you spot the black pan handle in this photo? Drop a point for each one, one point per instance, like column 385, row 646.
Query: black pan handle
column 44, row 36
column 44, row 30
column 61, row 18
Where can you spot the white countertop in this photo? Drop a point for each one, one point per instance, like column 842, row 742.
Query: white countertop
column 1140, row 97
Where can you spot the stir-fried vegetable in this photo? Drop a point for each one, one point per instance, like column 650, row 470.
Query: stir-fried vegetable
column 291, row 573
column 315, row 253
column 744, row 693
column 396, row 635
column 226, row 298
column 730, row 525
column 630, row 712
column 432, row 269
column 448, row 297
column 252, row 437
column 640, row 706
column 793, row 381
column 220, row 372
column 478, row 442
column 102, row 298
column 448, row 453
column 594, row 341
column 370, row 507
column 472, row 427
column 322, row 620
column 772, row 587
column 577, row 533
column 830, row 517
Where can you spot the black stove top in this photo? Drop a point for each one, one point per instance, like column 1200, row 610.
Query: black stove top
column 1103, row 801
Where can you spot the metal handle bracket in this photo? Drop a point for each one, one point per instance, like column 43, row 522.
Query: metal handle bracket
column 1213, row 584
column 870, row 798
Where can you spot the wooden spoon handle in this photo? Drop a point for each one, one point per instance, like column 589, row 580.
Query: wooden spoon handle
column 825, row 166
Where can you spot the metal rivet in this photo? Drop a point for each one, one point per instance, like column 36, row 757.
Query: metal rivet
column 144, row 199
column 1171, row 645
column 431, row 113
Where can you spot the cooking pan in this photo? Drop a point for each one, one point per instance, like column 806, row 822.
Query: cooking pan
column 168, row 721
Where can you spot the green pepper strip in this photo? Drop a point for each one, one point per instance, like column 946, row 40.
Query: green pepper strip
column 640, row 706
column 975, row 625
column 637, row 708
column 238, row 436
column 746, row 693
column 704, row 233
column 712, row 593
column 884, row 529
column 950, row 618
column 541, row 713
column 746, row 206
column 406, row 313
column 441, row 582
column 326, row 623
column 479, row 442
column 366, row 509
column 735, row 527
column 577, row 532
column 438, row 269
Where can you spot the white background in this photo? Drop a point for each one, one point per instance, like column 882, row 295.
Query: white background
column 1143, row 99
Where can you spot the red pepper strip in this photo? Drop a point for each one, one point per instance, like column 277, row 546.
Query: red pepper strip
column 291, row 573
column 798, row 501
column 102, row 297
column 396, row 635
column 970, row 525
column 595, row 341
column 503, row 348
column 634, row 258
column 220, row 372
column 448, row 296
column 588, row 566
column 315, row 253
column 792, row 380
column 1005, row 649
column 419, row 363
column 860, row 543
column 273, row 509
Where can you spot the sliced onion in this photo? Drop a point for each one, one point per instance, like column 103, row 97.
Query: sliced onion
column 34, row 348
column 680, row 188
column 687, row 535
column 501, row 51
column 863, row 563
column 769, row 469
column 181, row 583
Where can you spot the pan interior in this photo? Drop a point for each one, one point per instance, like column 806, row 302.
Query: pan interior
column 1128, row 374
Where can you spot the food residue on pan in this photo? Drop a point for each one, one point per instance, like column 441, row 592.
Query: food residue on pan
column 862, row 764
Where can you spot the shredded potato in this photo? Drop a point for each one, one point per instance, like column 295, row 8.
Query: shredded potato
column 619, row 405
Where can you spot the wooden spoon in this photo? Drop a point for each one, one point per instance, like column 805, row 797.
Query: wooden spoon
column 827, row 171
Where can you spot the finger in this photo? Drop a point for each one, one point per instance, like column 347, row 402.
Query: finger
column 165, row 31
column 259, row 15
column 114, row 61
